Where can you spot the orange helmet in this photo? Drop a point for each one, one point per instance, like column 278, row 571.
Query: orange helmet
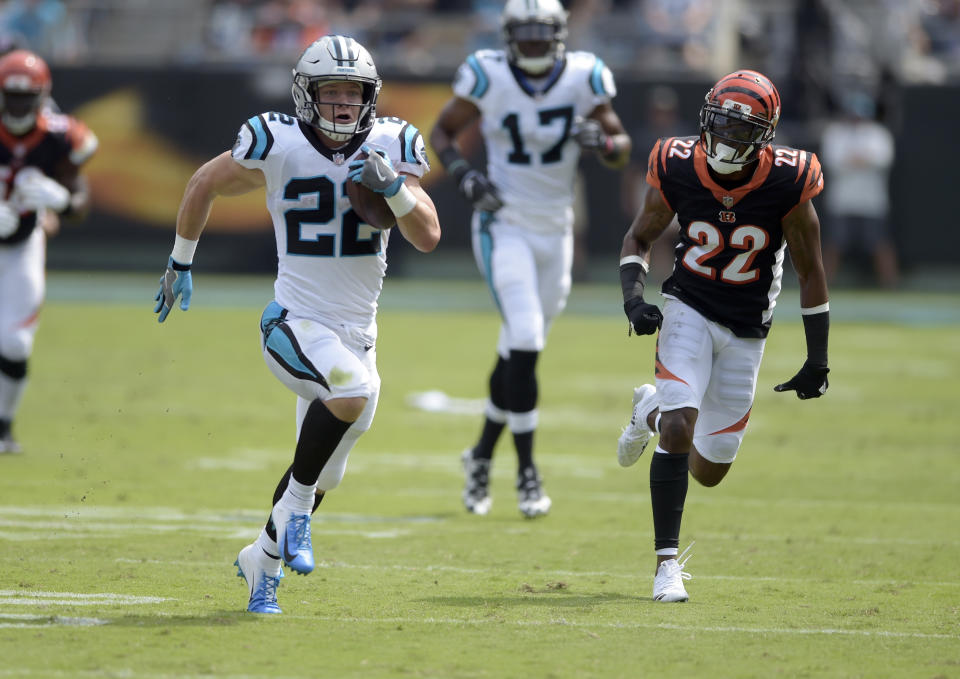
column 738, row 119
column 24, row 85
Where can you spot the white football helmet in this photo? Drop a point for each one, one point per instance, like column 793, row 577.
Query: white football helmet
column 534, row 21
column 335, row 57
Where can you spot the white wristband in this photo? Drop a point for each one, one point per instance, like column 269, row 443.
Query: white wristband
column 183, row 249
column 635, row 259
column 402, row 202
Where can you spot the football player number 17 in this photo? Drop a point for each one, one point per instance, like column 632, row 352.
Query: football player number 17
column 749, row 239
column 518, row 155
column 324, row 244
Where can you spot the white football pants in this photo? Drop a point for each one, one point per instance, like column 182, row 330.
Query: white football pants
column 703, row 365
column 529, row 277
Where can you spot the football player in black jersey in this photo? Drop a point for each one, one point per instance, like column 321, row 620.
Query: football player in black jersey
column 741, row 201
column 41, row 154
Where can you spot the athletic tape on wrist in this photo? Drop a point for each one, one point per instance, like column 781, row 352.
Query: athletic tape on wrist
column 183, row 249
column 402, row 202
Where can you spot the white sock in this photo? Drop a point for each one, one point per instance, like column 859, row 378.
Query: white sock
column 298, row 498
column 267, row 544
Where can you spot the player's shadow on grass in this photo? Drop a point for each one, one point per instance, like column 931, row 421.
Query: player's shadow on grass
column 534, row 597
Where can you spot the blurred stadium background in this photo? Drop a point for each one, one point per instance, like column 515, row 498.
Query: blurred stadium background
column 165, row 85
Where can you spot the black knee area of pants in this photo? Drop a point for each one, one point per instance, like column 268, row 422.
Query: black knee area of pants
column 15, row 370
column 320, row 434
column 521, row 381
column 668, row 492
column 498, row 384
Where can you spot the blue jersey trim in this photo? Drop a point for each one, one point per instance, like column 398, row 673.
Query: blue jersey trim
column 408, row 150
column 596, row 78
column 262, row 138
column 483, row 82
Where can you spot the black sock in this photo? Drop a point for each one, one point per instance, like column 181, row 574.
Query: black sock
column 522, row 395
column 524, row 445
column 491, row 431
column 320, row 435
column 668, row 491
column 488, row 439
column 277, row 494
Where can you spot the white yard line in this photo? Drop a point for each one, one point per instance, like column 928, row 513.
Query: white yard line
column 632, row 625
column 540, row 574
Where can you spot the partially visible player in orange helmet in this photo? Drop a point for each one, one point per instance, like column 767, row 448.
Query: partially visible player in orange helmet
column 41, row 154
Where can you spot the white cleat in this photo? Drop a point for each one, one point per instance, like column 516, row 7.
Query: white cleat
column 668, row 582
column 476, row 488
column 637, row 434
column 531, row 500
column 9, row 445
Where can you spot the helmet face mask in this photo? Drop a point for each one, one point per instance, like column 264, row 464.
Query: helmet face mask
column 330, row 59
column 339, row 105
column 738, row 120
column 24, row 86
column 534, row 31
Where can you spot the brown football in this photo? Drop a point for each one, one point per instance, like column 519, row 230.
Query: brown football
column 370, row 205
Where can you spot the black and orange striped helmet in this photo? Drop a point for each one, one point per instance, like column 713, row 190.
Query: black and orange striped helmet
column 740, row 112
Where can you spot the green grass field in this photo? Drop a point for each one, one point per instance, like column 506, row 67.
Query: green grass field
column 152, row 451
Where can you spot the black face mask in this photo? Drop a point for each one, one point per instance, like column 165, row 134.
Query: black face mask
column 20, row 104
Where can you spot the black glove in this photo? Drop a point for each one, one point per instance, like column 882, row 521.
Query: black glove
column 645, row 318
column 480, row 191
column 810, row 382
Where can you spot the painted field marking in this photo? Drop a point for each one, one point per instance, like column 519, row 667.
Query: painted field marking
column 25, row 597
column 27, row 621
column 540, row 573
column 19, row 523
column 885, row 634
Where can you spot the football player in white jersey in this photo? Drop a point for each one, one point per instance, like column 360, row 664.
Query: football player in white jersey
column 319, row 333
column 538, row 107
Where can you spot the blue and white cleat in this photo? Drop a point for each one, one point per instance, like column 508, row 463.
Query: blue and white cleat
column 263, row 587
column 293, row 539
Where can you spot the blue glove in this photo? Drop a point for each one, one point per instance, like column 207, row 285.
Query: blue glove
column 376, row 173
column 175, row 282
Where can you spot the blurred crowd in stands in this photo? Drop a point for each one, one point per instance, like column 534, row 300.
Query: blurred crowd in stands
column 913, row 40
column 837, row 61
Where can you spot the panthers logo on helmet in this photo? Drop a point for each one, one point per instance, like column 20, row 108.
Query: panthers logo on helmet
column 738, row 119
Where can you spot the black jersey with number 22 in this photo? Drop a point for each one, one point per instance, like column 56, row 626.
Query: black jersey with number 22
column 729, row 261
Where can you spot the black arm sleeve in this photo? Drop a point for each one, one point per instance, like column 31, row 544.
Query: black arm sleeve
column 632, row 279
column 816, row 327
